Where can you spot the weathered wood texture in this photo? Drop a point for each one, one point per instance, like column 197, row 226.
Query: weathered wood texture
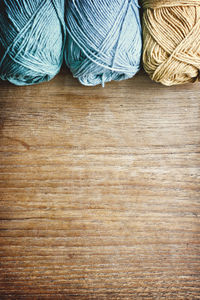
column 100, row 190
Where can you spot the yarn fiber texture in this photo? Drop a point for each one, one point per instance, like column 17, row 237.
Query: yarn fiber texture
column 171, row 36
column 32, row 36
column 104, row 40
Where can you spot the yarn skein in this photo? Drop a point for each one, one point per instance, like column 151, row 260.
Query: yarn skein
column 104, row 40
column 171, row 36
column 32, row 37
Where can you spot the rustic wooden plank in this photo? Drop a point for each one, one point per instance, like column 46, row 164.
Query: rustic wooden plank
column 99, row 190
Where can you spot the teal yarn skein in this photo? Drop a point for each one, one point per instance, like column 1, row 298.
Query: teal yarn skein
column 104, row 40
column 32, row 39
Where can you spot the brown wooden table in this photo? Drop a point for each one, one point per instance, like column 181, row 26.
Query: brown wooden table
column 100, row 190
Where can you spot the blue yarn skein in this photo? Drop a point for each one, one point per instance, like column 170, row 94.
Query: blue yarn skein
column 32, row 37
column 104, row 40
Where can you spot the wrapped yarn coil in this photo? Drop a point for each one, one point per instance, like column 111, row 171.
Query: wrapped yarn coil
column 171, row 37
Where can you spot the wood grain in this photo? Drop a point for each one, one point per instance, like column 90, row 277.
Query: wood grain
column 100, row 190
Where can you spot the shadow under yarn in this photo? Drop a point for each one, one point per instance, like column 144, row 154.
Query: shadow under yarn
column 32, row 37
column 104, row 40
column 171, row 34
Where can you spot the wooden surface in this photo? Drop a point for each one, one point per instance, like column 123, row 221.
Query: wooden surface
column 100, row 190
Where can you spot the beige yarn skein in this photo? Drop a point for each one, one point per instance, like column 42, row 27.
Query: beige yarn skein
column 171, row 36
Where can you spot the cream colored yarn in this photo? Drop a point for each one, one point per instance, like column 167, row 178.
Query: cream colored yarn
column 171, row 34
